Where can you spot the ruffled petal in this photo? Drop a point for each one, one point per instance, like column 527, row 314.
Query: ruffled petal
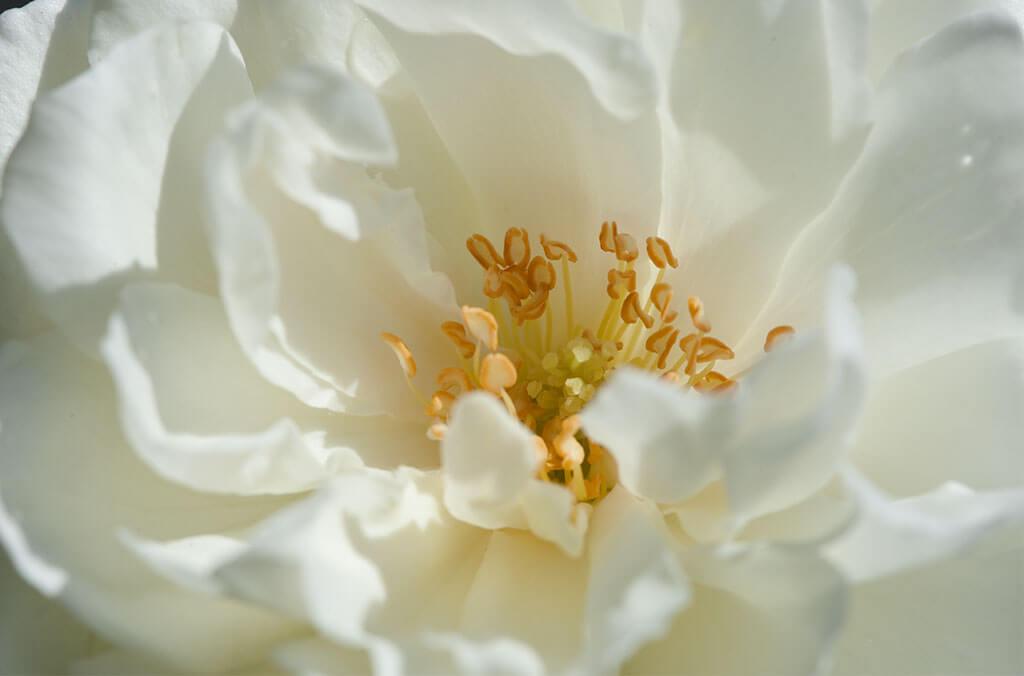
column 769, row 107
column 489, row 465
column 929, row 216
column 97, row 217
column 70, row 484
column 755, row 610
column 306, row 240
column 890, row 536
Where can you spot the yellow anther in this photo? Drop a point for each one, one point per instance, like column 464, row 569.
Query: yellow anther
column 437, row 431
column 712, row 349
column 401, row 351
column 482, row 325
column 555, row 250
column 661, row 343
column 540, row 274
column 660, row 253
column 515, row 280
column 625, row 248
column 609, row 231
column 483, row 251
column 621, row 282
column 776, row 334
column 696, row 308
column 454, row 380
column 493, row 285
column 661, row 296
column 517, row 247
column 456, row 332
column 631, row 311
column 497, row 373
column 440, row 403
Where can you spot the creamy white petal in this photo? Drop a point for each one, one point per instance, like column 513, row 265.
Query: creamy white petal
column 636, row 585
column 116, row 21
column 955, row 418
column 958, row 617
column 489, row 466
column 769, row 107
column 84, row 224
column 70, row 483
column 755, row 610
column 929, row 217
column 316, row 257
column 890, row 536
column 320, row 657
column 775, row 442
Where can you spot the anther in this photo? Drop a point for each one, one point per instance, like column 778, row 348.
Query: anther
column 660, row 253
column 555, row 250
column 534, row 307
column 497, row 373
column 540, row 274
column 625, row 248
column 437, row 431
column 456, row 332
column 776, row 334
column 482, row 325
column 483, row 251
column 540, row 450
column 517, row 247
column 661, row 296
column 401, row 351
column 454, row 380
column 566, row 446
column 631, row 311
column 516, row 281
column 440, row 403
column 661, row 343
column 620, row 282
column 609, row 231
column 493, row 285
column 696, row 308
column 712, row 349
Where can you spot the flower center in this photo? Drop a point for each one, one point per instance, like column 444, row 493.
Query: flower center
column 528, row 349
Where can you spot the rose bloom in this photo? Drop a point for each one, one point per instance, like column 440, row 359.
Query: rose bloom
column 522, row 337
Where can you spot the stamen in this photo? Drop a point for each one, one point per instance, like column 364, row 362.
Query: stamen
column 497, row 373
column 625, row 248
column 440, row 404
column 660, row 253
column 482, row 325
column 555, row 250
column 776, row 334
column 661, row 343
column 457, row 333
column 712, row 349
column 493, row 284
column 483, row 251
column 454, row 380
column 696, row 308
column 631, row 312
column 437, row 431
column 517, row 247
column 403, row 353
column 607, row 237
column 540, row 274
column 620, row 282
column 661, row 296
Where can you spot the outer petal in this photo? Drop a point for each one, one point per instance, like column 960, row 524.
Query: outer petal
column 769, row 107
column 84, row 224
column 755, row 610
column 929, row 217
column 70, row 483
column 198, row 412
column 489, row 466
column 955, row 418
column 306, row 240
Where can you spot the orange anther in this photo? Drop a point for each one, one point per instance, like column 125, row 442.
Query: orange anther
column 440, row 403
column 534, row 307
column 437, row 431
column 483, row 251
column 714, row 382
column 401, row 351
column 492, row 282
column 631, row 311
column 540, row 274
column 620, row 281
column 609, row 231
column 661, row 296
column 482, row 325
column 625, row 248
column 696, row 308
column 457, row 333
column 660, row 253
column 671, row 377
column 661, row 343
column 454, row 380
column 712, row 349
column 497, row 373
column 517, row 247
column 516, row 282
column 570, row 450
column 555, row 250
column 775, row 335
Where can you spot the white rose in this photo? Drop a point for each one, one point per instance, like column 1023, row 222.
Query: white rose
column 769, row 422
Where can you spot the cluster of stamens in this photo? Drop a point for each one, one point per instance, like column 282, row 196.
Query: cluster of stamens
column 543, row 373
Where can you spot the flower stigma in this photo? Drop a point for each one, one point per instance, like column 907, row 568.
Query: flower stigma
column 544, row 365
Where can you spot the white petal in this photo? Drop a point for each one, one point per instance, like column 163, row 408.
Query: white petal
column 928, row 218
column 306, row 240
column 770, row 107
column 955, row 418
column 489, row 466
column 958, row 617
column 755, row 610
column 70, row 483
column 636, row 585
column 890, row 536
column 96, row 217
column 776, row 442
